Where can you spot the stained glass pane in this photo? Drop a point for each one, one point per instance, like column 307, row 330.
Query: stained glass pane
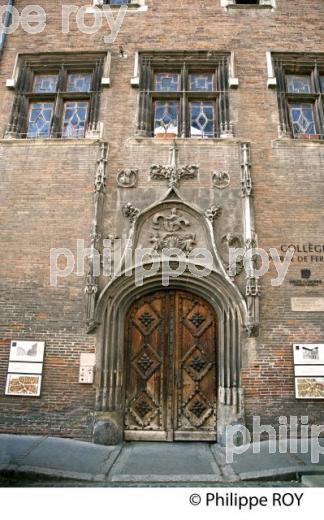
column 201, row 82
column 302, row 117
column 166, row 117
column 39, row 121
column 79, row 83
column 75, row 118
column 165, row 82
column 45, row 83
column 299, row 84
column 202, row 119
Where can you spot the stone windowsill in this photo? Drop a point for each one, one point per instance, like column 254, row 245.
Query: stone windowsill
column 249, row 6
column 50, row 142
column 186, row 140
column 289, row 142
column 136, row 6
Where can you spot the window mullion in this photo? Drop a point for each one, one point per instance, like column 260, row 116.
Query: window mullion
column 18, row 122
column 145, row 98
column 319, row 101
column 56, row 128
column 184, row 126
column 94, row 101
column 320, row 112
column 285, row 125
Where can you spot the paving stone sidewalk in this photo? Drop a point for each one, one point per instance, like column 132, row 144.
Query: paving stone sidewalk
column 145, row 463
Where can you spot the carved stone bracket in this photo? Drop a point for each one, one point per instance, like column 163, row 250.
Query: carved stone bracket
column 171, row 172
column 226, row 130
column 234, row 267
column 221, row 179
column 213, row 213
column 130, row 212
column 127, row 178
column 92, row 278
column 253, row 292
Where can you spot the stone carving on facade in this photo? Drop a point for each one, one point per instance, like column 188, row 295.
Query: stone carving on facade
column 221, row 179
column 169, row 232
column 110, row 255
column 130, row 212
column 100, row 179
column 235, row 265
column 246, row 179
column 253, row 293
column 172, row 173
column 213, row 213
column 93, row 265
column 127, row 178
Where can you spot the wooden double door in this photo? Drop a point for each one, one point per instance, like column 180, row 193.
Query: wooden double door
column 171, row 383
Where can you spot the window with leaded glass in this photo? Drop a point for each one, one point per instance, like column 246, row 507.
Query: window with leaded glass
column 184, row 95
column 56, row 99
column 300, row 96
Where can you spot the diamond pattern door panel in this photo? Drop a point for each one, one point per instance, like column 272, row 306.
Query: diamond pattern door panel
column 196, row 369
column 146, row 368
column 171, row 369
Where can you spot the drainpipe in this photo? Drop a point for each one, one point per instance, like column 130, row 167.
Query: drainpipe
column 5, row 24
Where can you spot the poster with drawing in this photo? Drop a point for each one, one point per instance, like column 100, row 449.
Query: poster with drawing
column 23, row 385
column 309, row 354
column 27, row 351
column 310, row 387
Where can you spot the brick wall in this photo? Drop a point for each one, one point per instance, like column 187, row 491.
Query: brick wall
column 46, row 202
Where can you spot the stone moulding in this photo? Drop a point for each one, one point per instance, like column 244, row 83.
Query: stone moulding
column 250, row 242
column 92, row 282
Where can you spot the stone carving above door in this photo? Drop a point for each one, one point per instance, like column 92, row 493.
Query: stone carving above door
column 171, row 172
column 169, row 232
column 130, row 212
column 221, row 179
column 213, row 213
column 172, row 222
column 127, row 178
column 235, row 264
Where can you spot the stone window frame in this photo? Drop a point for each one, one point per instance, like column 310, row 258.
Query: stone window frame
column 134, row 5
column 264, row 4
column 147, row 62
column 25, row 68
column 279, row 65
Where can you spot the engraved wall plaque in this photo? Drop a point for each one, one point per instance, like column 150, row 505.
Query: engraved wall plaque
column 307, row 304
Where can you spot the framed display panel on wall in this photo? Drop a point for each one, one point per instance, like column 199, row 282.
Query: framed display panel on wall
column 27, row 351
column 24, row 385
column 309, row 370
column 25, row 368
